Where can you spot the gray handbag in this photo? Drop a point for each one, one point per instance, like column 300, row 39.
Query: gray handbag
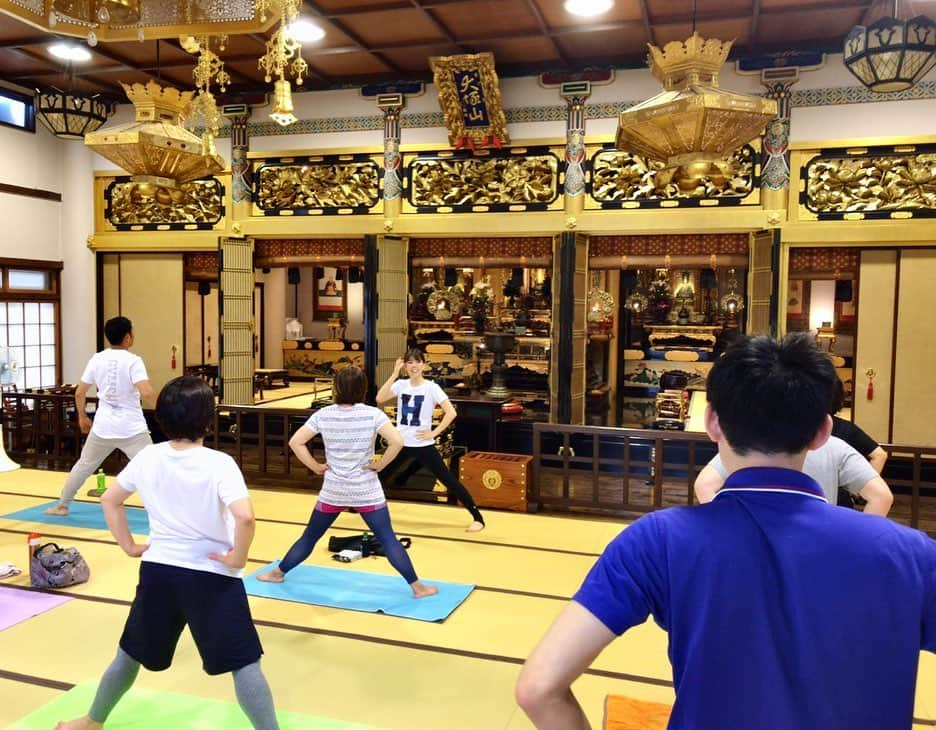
column 52, row 567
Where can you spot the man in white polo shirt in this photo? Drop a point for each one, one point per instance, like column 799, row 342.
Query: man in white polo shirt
column 122, row 383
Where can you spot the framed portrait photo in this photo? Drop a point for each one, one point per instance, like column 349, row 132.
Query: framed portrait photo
column 330, row 295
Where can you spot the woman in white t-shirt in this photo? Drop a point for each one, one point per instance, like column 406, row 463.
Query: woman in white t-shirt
column 416, row 399
column 349, row 429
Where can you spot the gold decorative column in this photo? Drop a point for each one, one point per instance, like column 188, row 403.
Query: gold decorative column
column 392, row 105
column 775, row 158
column 575, row 93
column 241, row 176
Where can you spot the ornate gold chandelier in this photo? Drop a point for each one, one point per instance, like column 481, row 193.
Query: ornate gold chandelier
column 692, row 120
column 125, row 20
column 203, row 109
column 156, row 148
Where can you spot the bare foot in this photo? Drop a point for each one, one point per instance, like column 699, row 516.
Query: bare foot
column 79, row 723
column 60, row 509
column 475, row 527
column 421, row 590
column 272, row 576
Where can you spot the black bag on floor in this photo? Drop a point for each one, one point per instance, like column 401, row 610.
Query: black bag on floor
column 366, row 544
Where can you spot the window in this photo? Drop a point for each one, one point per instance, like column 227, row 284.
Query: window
column 29, row 322
column 17, row 110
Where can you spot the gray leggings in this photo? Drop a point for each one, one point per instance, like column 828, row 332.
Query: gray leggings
column 92, row 456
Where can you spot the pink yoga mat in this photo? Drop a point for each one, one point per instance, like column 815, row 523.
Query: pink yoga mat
column 17, row 605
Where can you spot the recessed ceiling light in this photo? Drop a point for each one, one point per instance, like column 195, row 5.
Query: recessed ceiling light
column 588, row 8
column 305, row 31
column 70, row 52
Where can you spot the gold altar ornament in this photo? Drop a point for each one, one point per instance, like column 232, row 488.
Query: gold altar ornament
column 469, row 94
column 156, row 147
column 692, row 120
column 128, row 20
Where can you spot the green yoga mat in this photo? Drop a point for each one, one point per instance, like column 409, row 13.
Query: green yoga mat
column 139, row 707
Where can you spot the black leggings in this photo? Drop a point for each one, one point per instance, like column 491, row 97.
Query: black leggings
column 429, row 457
column 377, row 521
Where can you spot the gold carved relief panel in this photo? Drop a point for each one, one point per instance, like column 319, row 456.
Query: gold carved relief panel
column 323, row 185
column 524, row 179
column 139, row 206
column 870, row 183
column 621, row 179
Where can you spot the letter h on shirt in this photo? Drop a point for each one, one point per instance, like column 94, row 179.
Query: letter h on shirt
column 409, row 412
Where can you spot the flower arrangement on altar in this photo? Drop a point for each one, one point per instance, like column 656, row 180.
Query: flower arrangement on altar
column 660, row 299
column 480, row 301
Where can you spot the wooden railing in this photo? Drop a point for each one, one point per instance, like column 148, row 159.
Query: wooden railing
column 614, row 471
column 624, row 472
column 41, row 428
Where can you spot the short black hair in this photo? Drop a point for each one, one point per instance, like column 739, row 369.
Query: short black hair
column 771, row 397
column 350, row 385
column 414, row 353
column 185, row 407
column 838, row 397
column 116, row 328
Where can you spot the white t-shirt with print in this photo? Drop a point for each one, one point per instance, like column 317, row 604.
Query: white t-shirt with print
column 349, row 433
column 414, row 409
column 114, row 374
column 186, row 493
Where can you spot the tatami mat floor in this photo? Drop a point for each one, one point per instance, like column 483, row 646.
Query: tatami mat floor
column 383, row 671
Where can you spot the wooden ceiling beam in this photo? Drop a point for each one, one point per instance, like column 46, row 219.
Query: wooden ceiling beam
column 24, row 42
column 755, row 17
column 645, row 19
column 541, row 22
column 439, row 25
column 354, row 37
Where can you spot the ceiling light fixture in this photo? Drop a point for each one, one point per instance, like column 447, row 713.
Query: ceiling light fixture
column 71, row 114
column 891, row 54
column 305, row 31
column 588, row 8
column 70, row 52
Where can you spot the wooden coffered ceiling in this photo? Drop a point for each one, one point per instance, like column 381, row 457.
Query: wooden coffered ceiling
column 388, row 40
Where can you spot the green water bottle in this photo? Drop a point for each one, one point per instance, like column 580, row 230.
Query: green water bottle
column 101, row 484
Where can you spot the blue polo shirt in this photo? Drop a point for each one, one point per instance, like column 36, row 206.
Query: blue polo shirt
column 783, row 611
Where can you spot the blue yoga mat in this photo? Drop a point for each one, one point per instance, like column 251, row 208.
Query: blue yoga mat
column 81, row 514
column 360, row 591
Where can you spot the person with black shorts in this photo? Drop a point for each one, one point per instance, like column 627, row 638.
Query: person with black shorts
column 201, row 527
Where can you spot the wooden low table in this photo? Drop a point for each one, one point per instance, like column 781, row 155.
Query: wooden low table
column 264, row 377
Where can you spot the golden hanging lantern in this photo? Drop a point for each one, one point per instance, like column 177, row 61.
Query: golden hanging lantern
column 156, row 148
column 282, row 112
column 692, row 120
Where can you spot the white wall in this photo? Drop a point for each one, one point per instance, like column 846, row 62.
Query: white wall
column 79, row 315
column 274, row 314
column 31, row 226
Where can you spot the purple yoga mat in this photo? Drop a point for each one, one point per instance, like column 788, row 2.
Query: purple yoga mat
column 18, row 605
